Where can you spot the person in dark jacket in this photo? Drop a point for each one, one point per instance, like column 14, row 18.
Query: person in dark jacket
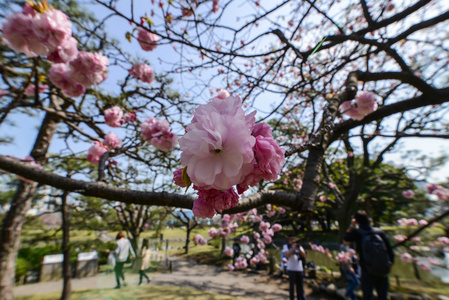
column 368, row 281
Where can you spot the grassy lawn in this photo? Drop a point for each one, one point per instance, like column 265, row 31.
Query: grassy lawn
column 143, row 292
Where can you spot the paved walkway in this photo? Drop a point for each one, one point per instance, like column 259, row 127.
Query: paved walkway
column 186, row 274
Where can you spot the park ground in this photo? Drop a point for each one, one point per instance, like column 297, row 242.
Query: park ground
column 189, row 280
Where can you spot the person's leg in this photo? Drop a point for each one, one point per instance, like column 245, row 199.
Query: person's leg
column 382, row 285
column 353, row 282
column 117, row 271
column 367, row 285
column 300, row 286
column 291, row 282
column 140, row 276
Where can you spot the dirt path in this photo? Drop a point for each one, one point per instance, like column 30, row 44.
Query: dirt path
column 185, row 274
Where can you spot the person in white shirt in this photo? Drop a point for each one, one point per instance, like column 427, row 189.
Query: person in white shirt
column 122, row 249
column 293, row 251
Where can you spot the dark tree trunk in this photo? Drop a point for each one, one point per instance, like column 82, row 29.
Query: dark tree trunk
column 66, row 268
column 10, row 237
column 21, row 202
column 186, row 246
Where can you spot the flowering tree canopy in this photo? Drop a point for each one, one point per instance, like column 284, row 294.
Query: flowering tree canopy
column 225, row 95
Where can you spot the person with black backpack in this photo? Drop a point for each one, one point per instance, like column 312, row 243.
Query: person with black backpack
column 376, row 255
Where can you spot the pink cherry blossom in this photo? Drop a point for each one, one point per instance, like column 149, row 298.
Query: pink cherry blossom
column 215, row 4
column 95, row 152
column 199, row 240
column 263, row 226
column 366, row 102
column 228, row 251
column 187, row 11
column 244, row 239
column 269, row 157
column 267, row 239
column 219, row 200
column 212, row 232
column 64, row 52
column 443, row 240
column 89, row 68
column 423, row 222
column 348, row 109
column 416, row 239
column 331, row 185
column 256, row 235
column 148, row 41
column 113, row 116
column 222, row 94
column 40, row 33
column 399, row 238
column 408, row 194
column 3, row 93
column 407, row 258
column 433, row 261
column 241, row 263
column 60, row 77
column 157, row 133
column 203, row 209
column 424, row 266
column 143, row 72
column 217, row 147
column 30, row 90
column 262, row 129
column 129, row 118
column 231, row 267
column 342, row 257
column 276, row 227
column 177, row 178
column 111, row 140
column 165, row 142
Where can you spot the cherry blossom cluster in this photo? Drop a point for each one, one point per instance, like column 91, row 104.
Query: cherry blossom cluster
column 223, row 148
column 404, row 222
column 85, row 70
column 143, row 72
column 409, row 194
column 363, row 104
column 440, row 191
column 41, row 30
column 158, row 134
column 321, row 249
column 345, row 256
column 199, row 240
column 148, row 41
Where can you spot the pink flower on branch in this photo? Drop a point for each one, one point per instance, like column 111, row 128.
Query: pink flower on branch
column 47, row 32
column 158, row 134
column 30, row 90
column 408, row 194
column 89, row 68
column 111, row 140
column 148, row 41
column 217, row 147
column 143, row 72
column 59, row 76
column 244, row 239
column 113, row 116
column 95, row 152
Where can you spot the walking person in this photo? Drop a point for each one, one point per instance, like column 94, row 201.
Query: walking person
column 350, row 268
column 295, row 253
column 236, row 248
column 376, row 255
column 145, row 254
column 122, row 249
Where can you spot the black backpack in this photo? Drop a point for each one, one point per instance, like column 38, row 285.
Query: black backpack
column 375, row 254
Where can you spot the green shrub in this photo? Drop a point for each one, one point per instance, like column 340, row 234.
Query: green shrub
column 22, row 267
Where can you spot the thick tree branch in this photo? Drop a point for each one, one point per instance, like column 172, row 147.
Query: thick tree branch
column 102, row 190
